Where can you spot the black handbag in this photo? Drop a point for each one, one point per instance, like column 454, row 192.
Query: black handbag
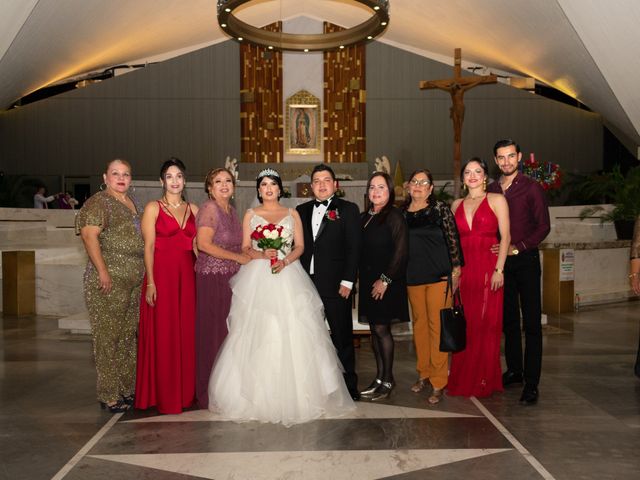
column 453, row 326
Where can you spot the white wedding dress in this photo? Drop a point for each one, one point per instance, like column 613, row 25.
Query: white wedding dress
column 278, row 363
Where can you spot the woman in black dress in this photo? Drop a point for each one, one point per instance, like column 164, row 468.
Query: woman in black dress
column 383, row 267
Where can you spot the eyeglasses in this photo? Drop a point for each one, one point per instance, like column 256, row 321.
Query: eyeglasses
column 420, row 183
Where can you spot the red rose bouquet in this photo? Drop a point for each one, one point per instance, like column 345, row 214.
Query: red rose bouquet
column 271, row 236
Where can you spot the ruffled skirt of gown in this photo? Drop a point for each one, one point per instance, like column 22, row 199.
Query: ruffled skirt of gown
column 278, row 363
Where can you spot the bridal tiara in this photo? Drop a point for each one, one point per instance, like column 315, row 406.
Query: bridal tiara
column 268, row 172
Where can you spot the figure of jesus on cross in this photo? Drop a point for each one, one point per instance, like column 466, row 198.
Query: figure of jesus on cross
column 456, row 87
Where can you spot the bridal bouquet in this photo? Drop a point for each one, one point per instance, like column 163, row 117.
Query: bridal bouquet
column 271, row 236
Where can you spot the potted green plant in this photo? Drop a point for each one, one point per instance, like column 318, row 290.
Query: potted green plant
column 623, row 191
column 441, row 193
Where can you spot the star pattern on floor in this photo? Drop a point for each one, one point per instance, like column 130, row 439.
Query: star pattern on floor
column 374, row 441
column 360, row 464
column 363, row 410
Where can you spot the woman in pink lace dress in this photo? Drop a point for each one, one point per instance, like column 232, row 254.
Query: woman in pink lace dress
column 219, row 240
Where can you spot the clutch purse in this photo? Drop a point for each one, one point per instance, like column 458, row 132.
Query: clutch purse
column 453, row 326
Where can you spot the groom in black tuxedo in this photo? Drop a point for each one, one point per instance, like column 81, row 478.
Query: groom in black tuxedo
column 331, row 248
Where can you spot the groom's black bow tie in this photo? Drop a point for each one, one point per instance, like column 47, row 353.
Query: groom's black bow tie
column 317, row 203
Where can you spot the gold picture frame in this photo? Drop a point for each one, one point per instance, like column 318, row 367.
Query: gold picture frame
column 303, row 126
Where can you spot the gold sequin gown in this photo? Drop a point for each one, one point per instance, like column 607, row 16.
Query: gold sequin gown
column 114, row 316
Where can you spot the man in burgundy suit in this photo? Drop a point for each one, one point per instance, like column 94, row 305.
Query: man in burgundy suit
column 529, row 222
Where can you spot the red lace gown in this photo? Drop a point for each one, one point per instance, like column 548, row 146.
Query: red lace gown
column 165, row 375
column 476, row 371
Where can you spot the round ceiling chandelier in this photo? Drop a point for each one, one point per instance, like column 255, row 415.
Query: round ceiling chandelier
column 362, row 32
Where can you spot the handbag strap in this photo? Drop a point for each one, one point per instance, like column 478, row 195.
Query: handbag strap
column 449, row 286
column 456, row 298
column 456, row 295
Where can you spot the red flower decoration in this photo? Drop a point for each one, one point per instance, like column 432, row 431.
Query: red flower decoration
column 332, row 215
column 547, row 174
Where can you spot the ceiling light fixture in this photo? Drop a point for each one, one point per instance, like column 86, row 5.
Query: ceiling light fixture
column 362, row 32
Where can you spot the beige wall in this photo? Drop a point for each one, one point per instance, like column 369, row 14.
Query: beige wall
column 189, row 107
column 413, row 126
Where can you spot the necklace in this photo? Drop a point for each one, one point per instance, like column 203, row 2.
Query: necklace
column 174, row 205
column 372, row 214
column 479, row 196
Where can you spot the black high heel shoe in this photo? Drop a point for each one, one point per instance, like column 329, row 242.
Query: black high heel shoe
column 367, row 392
column 129, row 400
column 383, row 391
column 117, row 407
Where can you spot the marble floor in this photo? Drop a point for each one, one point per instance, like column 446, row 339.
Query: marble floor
column 585, row 426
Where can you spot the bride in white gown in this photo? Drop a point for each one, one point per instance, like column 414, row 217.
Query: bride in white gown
column 278, row 363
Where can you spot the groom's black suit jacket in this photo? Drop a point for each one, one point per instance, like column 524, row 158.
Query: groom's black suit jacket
column 336, row 248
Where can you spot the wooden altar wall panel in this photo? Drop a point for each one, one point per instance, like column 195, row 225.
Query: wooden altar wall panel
column 261, row 121
column 344, row 113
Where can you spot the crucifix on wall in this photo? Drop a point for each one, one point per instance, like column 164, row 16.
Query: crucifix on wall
column 456, row 87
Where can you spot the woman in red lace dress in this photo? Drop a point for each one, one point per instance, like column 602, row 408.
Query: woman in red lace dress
column 480, row 216
column 166, row 352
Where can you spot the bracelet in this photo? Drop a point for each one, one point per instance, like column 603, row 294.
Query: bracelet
column 455, row 274
column 635, row 274
column 499, row 270
column 150, row 285
column 386, row 281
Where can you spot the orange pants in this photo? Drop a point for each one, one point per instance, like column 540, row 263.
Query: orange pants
column 426, row 302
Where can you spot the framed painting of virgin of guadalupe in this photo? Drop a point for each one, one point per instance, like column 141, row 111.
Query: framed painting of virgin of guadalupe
column 303, row 125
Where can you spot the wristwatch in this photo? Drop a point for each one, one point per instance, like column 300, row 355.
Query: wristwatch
column 515, row 251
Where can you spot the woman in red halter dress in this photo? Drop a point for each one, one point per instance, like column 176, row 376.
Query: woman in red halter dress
column 480, row 216
column 166, row 351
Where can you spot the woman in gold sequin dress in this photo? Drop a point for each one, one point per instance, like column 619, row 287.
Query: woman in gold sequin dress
column 109, row 224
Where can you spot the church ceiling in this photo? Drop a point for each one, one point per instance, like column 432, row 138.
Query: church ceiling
column 584, row 48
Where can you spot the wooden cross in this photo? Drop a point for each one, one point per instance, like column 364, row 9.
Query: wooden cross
column 456, row 87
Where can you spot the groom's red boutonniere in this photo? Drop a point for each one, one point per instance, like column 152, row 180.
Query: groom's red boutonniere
column 332, row 215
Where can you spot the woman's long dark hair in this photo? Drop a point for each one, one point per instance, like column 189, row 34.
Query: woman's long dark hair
column 174, row 162
column 392, row 194
column 478, row 160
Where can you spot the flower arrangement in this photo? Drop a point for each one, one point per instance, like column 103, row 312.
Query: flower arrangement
column 547, row 174
column 271, row 236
